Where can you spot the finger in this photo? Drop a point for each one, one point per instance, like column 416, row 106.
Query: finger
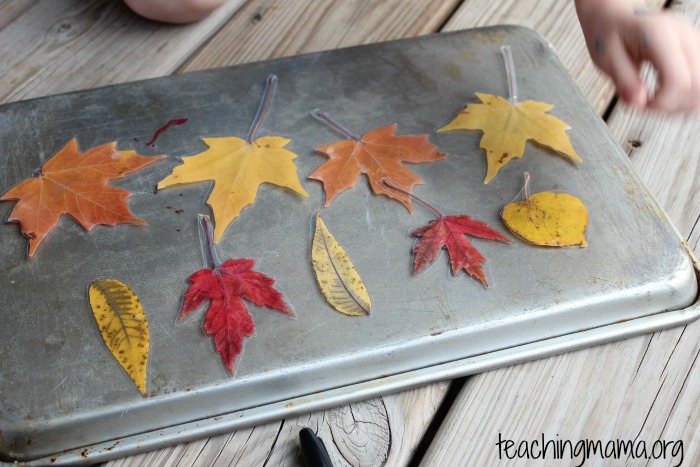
column 615, row 60
column 690, row 42
column 662, row 47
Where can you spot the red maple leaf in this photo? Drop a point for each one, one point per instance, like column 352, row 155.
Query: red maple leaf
column 228, row 319
column 450, row 232
column 75, row 183
column 379, row 154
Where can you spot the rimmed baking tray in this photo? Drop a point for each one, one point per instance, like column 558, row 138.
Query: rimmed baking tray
column 64, row 398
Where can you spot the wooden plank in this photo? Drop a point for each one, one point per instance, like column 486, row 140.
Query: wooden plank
column 11, row 9
column 663, row 151
column 254, row 444
column 379, row 431
column 557, row 22
column 641, row 389
column 623, row 391
column 55, row 46
column 267, row 29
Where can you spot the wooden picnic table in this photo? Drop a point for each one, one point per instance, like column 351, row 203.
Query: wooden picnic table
column 643, row 388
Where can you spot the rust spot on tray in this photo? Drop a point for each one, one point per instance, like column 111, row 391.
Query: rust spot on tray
column 467, row 55
column 452, row 71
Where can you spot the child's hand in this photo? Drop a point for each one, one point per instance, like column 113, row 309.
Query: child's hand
column 174, row 11
column 622, row 34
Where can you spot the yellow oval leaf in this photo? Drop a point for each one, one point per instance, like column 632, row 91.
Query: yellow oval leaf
column 123, row 326
column 339, row 281
column 549, row 219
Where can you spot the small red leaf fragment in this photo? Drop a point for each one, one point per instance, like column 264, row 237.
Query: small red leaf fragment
column 227, row 318
column 164, row 128
column 450, row 232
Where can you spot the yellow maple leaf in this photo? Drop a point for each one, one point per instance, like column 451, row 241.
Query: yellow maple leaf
column 507, row 127
column 237, row 169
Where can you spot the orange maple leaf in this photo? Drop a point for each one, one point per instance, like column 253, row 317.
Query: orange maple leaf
column 379, row 154
column 75, row 183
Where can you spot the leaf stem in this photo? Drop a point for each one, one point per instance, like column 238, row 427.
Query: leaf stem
column 268, row 92
column 206, row 231
column 334, row 124
column 385, row 181
column 526, row 187
column 510, row 74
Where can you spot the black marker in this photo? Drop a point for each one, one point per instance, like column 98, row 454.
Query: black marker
column 313, row 450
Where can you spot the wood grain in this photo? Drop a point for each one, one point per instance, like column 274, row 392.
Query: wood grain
column 641, row 389
column 662, row 151
column 379, row 431
column 623, row 390
column 267, row 29
column 11, row 9
column 558, row 23
column 55, row 46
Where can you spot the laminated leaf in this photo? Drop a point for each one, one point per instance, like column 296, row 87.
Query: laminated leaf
column 450, row 232
column 225, row 286
column 238, row 167
column 380, row 155
column 75, row 183
column 123, row 326
column 340, row 283
column 507, row 127
column 548, row 219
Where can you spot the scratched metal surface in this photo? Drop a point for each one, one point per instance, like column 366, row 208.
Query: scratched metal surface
column 61, row 389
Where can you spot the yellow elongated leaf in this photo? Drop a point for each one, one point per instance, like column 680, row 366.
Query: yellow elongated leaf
column 123, row 326
column 340, row 283
column 507, row 127
column 548, row 219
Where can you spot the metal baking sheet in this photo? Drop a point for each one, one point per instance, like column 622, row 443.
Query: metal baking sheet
column 61, row 390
